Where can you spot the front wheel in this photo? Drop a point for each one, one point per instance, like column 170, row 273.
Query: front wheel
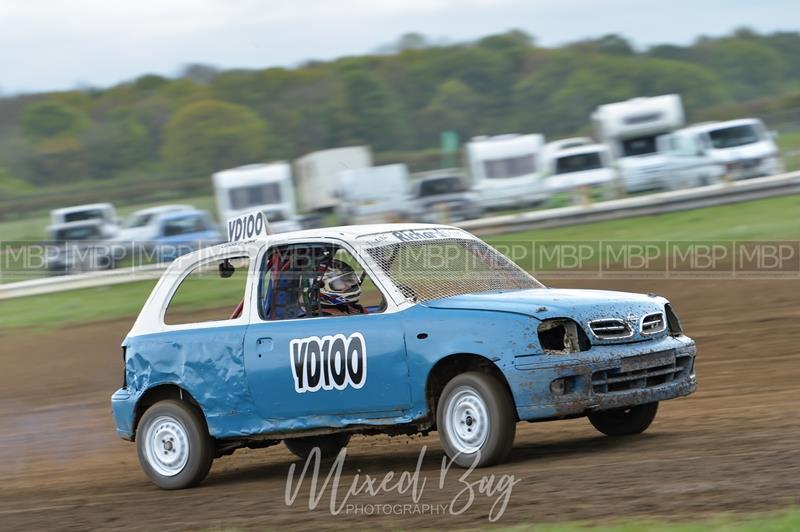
column 476, row 420
column 329, row 444
column 173, row 444
column 624, row 421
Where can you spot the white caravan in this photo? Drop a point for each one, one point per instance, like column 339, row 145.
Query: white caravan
column 506, row 170
column 372, row 195
column 572, row 166
column 630, row 129
column 744, row 146
column 317, row 174
column 264, row 187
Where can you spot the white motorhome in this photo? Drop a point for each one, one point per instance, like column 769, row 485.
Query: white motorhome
column 630, row 129
column 506, row 170
column 264, row 187
column 104, row 213
column 744, row 146
column 372, row 195
column 317, row 174
column 572, row 166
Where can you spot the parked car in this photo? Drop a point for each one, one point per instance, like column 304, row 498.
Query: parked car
column 75, row 247
column 310, row 337
column 744, row 146
column 142, row 225
column 182, row 232
column 678, row 162
column 440, row 196
column 103, row 212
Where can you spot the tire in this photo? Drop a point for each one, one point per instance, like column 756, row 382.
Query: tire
column 624, row 421
column 175, row 430
column 329, row 444
column 476, row 420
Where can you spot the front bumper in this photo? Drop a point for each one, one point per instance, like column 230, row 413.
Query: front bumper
column 603, row 378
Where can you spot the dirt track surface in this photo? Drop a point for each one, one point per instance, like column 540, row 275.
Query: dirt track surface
column 733, row 446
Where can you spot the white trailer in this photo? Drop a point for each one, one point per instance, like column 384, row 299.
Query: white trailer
column 630, row 129
column 264, row 187
column 572, row 166
column 318, row 174
column 506, row 170
column 372, row 195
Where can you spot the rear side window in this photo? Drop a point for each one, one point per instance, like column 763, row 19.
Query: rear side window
column 213, row 291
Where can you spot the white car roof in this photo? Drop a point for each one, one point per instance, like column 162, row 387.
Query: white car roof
column 711, row 126
column 164, row 208
column 347, row 233
column 86, row 207
column 579, row 150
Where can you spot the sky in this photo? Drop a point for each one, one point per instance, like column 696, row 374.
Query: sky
column 62, row 44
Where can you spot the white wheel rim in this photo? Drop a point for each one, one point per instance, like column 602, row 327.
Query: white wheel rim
column 466, row 420
column 166, row 446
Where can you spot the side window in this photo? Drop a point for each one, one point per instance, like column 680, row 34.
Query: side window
column 213, row 291
column 318, row 280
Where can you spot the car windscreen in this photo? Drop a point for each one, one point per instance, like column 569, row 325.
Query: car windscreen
column 139, row 220
column 86, row 232
column 510, row 167
column 730, row 137
column 578, row 163
column 79, row 216
column 444, row 185
column 255, row 195
column 184, row 226
column 639, row 146
column 432, row 269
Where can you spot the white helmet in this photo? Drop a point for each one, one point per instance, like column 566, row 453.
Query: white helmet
column 340, row 286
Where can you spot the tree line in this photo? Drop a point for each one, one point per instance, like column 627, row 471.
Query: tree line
column 399, row 100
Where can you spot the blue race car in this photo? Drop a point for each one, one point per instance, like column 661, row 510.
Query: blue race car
column 312, row 336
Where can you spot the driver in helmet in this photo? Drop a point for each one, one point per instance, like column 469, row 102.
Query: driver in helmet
column 340, row 290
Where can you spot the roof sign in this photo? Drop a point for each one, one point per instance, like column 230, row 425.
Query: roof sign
column 248, row 227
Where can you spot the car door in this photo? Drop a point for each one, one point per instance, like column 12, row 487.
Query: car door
column 302, row 367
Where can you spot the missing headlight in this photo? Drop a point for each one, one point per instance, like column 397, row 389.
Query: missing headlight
column 561, row 335
column 673, row 323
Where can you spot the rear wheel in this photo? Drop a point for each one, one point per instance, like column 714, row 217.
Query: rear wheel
column 624, row 421
column 173, row 444
column 476, row 420
column 329, row 444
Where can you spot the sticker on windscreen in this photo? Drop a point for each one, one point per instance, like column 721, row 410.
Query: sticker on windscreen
column 328, row 363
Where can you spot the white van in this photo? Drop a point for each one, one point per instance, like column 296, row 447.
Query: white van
column 578, row 165
column 317, row 175
column 630, row 129
column 506, row 170
column 264, row 187
column 372, row 195
column 744, row 146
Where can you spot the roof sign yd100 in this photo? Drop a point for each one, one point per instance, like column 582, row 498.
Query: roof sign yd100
column 248, row 227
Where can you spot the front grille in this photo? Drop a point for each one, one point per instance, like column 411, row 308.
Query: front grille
column 653, row 323
column 610, row 329
column 657, row 370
